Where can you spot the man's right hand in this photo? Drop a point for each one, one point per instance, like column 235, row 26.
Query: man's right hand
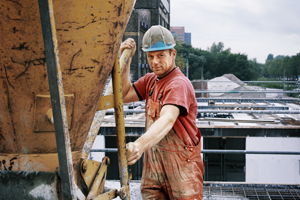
column 129, row 43
column 134, row 152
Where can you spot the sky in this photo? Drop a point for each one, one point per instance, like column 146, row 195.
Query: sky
column 256, row 28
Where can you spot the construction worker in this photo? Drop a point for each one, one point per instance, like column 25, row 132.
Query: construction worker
column 173, row 168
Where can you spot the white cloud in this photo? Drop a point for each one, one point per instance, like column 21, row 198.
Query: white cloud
column 253, row 27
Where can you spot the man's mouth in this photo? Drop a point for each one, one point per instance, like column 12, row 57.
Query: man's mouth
column 156, row 68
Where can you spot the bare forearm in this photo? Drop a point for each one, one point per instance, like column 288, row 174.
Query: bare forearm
column 126, row 84
column 156, row 132
column 159, row 128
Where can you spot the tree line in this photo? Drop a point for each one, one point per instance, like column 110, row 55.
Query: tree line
column 217, row 61
column 282, row 66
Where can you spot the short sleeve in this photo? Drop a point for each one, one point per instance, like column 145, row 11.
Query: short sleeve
column 178, row 93
column 142, row 85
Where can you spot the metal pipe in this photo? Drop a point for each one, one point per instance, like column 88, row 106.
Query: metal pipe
column 187, row 68
column 57, row 100
column 248, row 81
column 252, row 111
column 246, row 91
column 223, row 111
column 119, row 117
column 258, row 100
column 249, row 152
column 283, row 78
column 211, row 151
column 243, row 100
column 202, row 79
column 243, row 106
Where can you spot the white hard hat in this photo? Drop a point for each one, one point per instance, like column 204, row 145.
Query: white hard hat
column 158, row 38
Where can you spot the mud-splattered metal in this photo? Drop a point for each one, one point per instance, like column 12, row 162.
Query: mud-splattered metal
column 88, row 36
column 57, row 100
column 119, row 117
column 88, row 39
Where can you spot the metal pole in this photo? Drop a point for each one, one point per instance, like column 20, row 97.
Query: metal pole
column 119, row 117
column 247, row 91
column 249, row 81
column 221, row 166
column 187, row 68
column 202, row 95
column 139, row 70
column 247, row 100
column 213, row 151
column 223, row 111
column 283, row 80
column 252, row 111
column 57, row 99
column 224, row 159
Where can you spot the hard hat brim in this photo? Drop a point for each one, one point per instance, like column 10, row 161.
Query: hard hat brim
column 158, row 48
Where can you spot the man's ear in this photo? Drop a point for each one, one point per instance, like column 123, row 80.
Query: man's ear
column 174, row 53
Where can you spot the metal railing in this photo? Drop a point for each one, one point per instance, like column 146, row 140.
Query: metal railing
column 248, row 81
column 212, row 151
column 126, row 111
column 248, row 91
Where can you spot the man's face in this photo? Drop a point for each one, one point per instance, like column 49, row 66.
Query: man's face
column 161, row 62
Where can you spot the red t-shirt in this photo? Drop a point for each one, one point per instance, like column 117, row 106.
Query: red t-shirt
column 180, row 92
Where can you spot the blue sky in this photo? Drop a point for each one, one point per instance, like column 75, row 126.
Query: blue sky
column 253, row 27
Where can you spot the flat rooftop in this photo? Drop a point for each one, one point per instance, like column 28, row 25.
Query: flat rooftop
column 225, row 117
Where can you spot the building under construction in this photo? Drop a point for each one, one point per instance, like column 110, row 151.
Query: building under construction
column 250, row 145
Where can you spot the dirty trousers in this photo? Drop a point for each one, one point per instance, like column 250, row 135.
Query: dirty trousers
column 172, row 170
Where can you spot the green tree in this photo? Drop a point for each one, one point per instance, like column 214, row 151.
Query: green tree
column 293, row 66
column 270, row 57
column 217, row 48
column 216, row 61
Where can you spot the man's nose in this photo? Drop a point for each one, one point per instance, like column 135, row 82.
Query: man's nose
column 155, row 60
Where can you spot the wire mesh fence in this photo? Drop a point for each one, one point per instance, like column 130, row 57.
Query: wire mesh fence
column 250, row 191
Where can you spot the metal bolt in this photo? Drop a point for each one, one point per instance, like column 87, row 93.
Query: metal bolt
column 106, row 160
column 122, row 193
column 188, row 160
column 84, row 166
column 185, row 148
column 191, row 149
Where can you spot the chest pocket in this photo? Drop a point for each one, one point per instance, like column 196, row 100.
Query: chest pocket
column 153, row 109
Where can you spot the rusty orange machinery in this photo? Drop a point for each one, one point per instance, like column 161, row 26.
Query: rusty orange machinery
column 88, row 36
